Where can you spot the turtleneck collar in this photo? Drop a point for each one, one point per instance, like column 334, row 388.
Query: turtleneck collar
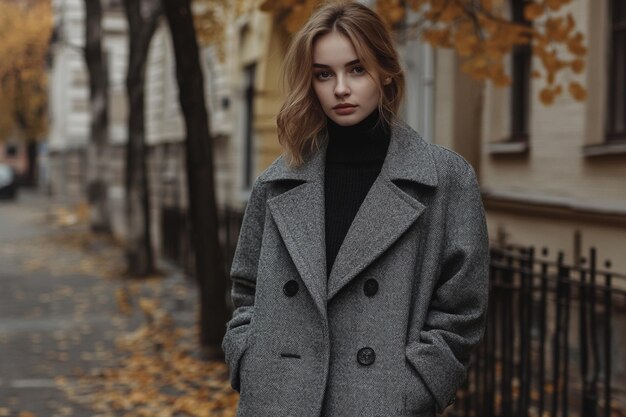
column 363, row 143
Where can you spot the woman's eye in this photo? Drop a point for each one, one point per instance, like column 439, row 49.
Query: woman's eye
column 358, row 70
column 323, row 75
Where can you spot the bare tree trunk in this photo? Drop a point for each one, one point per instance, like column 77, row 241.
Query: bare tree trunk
column 32, row 168
column 99, row 110
column 139, row 255
column 210, row 269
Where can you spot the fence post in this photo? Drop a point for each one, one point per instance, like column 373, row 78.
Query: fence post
column 526, row 300
column 590, row 401
column 508, row 336
column 542, row 330
column 566, row 315
column 607, row 341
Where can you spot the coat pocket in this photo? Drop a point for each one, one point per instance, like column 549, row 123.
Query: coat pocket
column 245, row 356
column 417, row 399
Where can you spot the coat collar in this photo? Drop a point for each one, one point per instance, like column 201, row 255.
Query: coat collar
column 385, row 214
column 408, row 158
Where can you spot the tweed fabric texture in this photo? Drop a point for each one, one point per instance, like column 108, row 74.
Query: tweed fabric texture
column 420, row 233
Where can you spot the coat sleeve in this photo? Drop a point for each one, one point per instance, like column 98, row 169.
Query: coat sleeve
column 243, row 276
column 455, row 320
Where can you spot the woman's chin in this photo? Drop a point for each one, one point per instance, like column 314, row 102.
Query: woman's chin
column 346, row 120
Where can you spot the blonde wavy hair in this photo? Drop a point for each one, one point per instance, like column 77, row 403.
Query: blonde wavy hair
column 301, row 120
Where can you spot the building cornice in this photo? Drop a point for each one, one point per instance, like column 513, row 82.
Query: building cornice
column 558, row 208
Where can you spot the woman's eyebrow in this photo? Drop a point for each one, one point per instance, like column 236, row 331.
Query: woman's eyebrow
column 348, row 64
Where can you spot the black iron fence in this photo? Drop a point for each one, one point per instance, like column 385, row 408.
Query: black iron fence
column 549, row 345
column 176, row 244
column 175, row 233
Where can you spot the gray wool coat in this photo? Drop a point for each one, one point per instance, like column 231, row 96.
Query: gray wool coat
column 389, row 332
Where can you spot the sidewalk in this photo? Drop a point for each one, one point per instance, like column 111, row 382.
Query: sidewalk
column 77, row 340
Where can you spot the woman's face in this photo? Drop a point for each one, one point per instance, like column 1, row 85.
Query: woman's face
column 346, row 91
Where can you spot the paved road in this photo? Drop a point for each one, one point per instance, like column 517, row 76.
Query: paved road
column 59, row 315
column 52, row 323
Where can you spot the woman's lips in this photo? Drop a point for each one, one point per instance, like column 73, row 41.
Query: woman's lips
column 344, row 109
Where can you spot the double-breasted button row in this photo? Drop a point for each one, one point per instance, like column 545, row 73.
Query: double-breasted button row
column 366, row 356
column 370, row 287
column 291, row 288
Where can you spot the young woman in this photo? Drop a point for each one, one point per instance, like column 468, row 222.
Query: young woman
column 360, row 276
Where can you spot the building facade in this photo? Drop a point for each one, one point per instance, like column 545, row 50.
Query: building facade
column 69, row 123
column 555, row 176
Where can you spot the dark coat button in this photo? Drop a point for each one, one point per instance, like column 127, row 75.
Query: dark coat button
column 366, row 356
column 370, row 287
column 290, row 288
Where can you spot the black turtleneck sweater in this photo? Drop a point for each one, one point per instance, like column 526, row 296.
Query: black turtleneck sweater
column 354, row 157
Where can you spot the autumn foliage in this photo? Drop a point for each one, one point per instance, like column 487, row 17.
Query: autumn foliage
column 210, row 17
column 482, row 32
column 25, row 28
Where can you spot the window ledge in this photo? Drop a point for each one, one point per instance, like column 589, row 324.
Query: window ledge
column 561, row 208
column 603, row 149
column 508, row 148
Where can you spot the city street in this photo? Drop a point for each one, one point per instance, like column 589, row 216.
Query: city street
column 46, row 321
column 69, row 323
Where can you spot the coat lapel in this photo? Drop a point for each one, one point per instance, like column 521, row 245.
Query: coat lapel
column 299, row 216
column 387, row 211
column 385, row 214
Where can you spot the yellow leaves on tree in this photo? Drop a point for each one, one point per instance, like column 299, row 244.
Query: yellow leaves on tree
column 393, row 12
column 480, row 31
column 25, row 28
column 291, row 14
column 548, row 94
column 557, row 37
column 484, row 34
column 577, row 91
column 533, row 11
column 211, row 17
column 471, row 29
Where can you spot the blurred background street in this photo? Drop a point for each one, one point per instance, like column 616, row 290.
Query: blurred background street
column 49, row 322
column 77, row 340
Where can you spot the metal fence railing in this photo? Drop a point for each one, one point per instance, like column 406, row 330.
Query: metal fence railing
column 548, row 347
column 176, row 244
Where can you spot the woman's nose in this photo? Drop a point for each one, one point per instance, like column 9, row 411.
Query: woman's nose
column 341, row 88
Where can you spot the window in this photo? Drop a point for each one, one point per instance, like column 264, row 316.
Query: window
column 514, row 137
column 616, row 129
column 520, row 74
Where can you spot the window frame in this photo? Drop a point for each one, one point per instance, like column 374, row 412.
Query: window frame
column 517, row 140
column 612, row 135
column 521, row 61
